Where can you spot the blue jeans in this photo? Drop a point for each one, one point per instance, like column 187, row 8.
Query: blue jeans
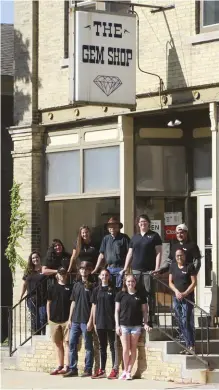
column 75, row 333
column 115, row 276
column 185, row 319
column 38, row 317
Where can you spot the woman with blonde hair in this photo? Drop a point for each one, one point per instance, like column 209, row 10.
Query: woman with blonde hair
column 130, row 312
column 84, row 249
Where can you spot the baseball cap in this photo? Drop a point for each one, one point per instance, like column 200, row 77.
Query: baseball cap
column 62, row 271
column 182, row 226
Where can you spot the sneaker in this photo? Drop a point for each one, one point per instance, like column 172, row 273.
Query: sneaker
column 99, row 374
column 56, row 371
column 71, row 373
column 128, row 376
column 114, row 374
column 86, row 374
column 123, row 376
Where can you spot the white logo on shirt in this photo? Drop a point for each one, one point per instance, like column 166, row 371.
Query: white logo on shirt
column 184, row 272
column 137, row 298
column 66, row 288
column 109, row 293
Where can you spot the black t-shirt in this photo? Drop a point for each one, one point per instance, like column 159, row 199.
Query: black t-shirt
column 104, row 299
column 36, row 287
column 144, row 253
column 54, row 261
column 89, row 252
column 81, row 295
column 59, row 295
column 182, row 277
column 115, row 249
column 190, row 248
column 130, row 308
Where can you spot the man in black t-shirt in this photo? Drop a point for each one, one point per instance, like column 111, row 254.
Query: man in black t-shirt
column 144, row 256
column 190, row 248
column 80, row 322
column 58, row 307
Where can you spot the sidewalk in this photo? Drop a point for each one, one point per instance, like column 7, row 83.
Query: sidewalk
column 37, row 380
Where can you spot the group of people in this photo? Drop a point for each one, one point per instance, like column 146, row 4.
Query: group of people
column 112, row 302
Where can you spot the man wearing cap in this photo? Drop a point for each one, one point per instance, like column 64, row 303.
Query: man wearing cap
column 113, row 249
column 58, row 306
column 191, row 249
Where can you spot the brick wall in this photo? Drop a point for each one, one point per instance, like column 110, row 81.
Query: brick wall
column 164, row 49
column 28, row 167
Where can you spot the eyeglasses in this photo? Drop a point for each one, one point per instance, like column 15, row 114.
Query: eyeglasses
column 179, row 255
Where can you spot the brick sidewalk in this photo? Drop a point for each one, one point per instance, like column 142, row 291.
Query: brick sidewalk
column 37, row 380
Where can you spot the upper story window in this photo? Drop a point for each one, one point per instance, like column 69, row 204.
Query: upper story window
column 90, row 5
column 209, row 15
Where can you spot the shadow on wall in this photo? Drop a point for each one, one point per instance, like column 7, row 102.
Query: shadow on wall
column 175, row 76
column 22, row 77
column 22, row 99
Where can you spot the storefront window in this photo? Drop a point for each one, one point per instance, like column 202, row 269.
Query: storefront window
column 202, row 165
column 101, row 169
column 160, row 168
column 66, row 217
column 63, row 173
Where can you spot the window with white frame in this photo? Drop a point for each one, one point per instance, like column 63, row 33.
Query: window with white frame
column 209, row 15
column 93, row 171
column 90, row 5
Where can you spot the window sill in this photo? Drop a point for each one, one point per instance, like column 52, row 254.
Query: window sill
column 204, row 37
column 64, row 63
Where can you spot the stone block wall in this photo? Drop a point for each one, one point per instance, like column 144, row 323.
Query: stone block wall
column 150, row 363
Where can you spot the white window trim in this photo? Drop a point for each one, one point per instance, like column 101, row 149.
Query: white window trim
column 204, row 37
column 209, row 28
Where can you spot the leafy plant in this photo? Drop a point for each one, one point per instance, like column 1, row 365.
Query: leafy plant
column 18, row 223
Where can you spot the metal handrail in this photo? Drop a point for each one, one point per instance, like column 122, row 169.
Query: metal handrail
column 166, row 330
column 28, row 334
column 18, row 334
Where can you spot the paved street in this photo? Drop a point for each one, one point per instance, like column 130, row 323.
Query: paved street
column 37, row 380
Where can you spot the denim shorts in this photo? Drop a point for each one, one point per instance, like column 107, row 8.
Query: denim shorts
column 130, row 329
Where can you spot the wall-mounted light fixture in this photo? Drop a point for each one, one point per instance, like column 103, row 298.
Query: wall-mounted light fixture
column 175, row 123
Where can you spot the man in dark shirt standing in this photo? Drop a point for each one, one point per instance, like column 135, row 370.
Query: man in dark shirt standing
column 58, row 306
column 190, row 248
column 113, row 249
column 145, row 251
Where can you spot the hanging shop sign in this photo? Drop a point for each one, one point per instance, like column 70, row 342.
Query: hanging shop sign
column 103, row 62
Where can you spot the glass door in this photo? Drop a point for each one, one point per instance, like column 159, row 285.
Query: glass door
column 204, row 236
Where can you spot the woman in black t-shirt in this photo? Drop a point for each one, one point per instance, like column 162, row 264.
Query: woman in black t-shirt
column 182, row 280
column 103, row 306
column 35, row 284
column 56, row 257
column 83, row 250
column 130, row 311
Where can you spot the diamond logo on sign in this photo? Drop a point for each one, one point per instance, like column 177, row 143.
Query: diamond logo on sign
column 108, row 84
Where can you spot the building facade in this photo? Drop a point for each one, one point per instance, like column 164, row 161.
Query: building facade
column 82, row 164
column 7, row 79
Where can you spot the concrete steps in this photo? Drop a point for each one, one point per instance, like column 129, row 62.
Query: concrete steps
column 200, row 347
column 156, row 335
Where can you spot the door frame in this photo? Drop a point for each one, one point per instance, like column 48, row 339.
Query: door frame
column 203, row 293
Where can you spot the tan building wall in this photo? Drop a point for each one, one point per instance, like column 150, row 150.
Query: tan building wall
column 165, row 49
